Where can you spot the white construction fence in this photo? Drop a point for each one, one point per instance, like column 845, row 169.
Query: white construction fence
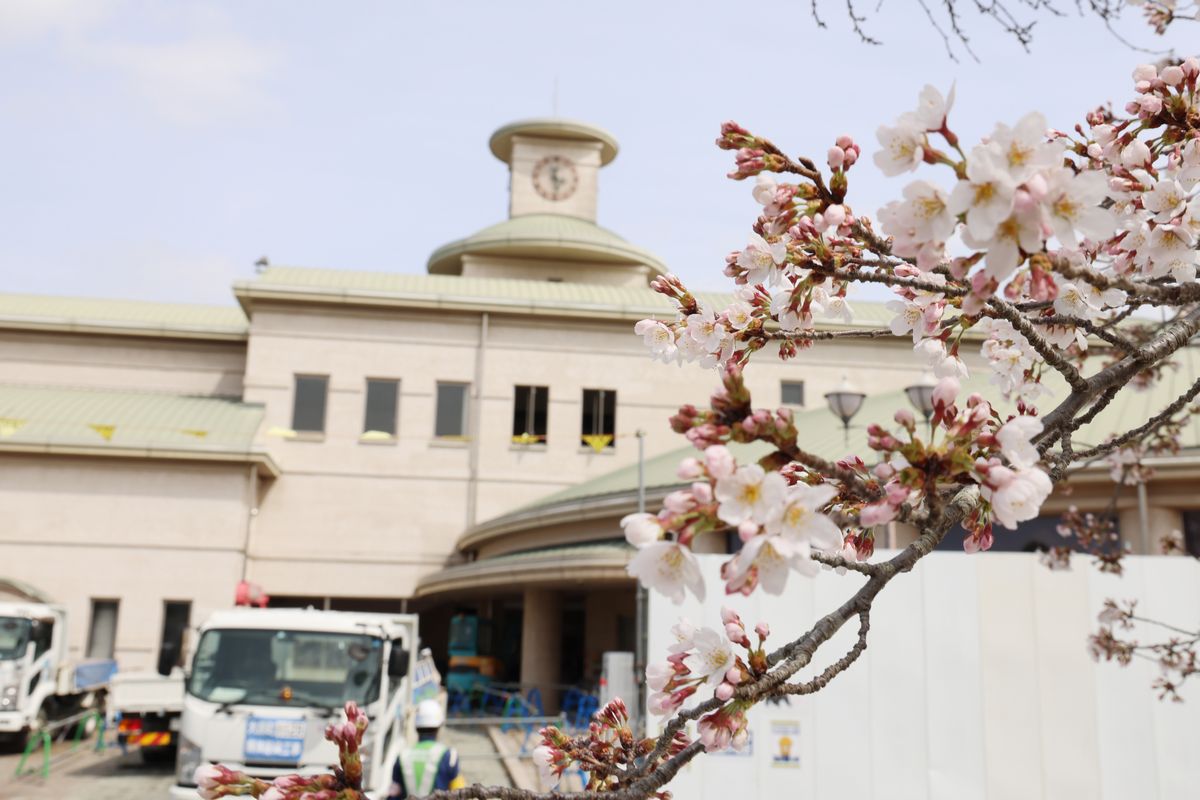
column 976, row 684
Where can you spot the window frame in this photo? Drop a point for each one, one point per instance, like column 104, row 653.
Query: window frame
column 530, row 437
column 784, row 384
column 296, row 378
column 598, row 415
column 115, row 602
column 370, row 434
column 465, row 424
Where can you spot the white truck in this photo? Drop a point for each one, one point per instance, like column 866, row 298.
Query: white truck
column 264, row 683
column 144, row 709
column 39, row 682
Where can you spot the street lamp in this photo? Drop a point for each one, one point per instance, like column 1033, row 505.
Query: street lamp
column 844, row 402
column 920, row 394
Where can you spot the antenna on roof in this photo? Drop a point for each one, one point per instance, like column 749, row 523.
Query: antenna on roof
column 261, row 265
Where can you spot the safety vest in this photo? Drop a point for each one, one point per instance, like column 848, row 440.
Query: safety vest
column 419, row 766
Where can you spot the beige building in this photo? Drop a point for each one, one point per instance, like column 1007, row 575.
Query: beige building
column 463, row 440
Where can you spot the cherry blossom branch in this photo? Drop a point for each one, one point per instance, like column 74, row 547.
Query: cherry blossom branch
column 1143, row 430
column 833, row 670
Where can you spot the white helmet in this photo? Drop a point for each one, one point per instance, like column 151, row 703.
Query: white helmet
column 430, row 714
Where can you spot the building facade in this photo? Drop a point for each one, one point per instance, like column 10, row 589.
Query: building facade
column 460, row 441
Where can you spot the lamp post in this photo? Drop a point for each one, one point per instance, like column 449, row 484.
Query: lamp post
column 920, row 394
column 844, row 402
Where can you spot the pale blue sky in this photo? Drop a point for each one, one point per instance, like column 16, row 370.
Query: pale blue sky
column 155, row 150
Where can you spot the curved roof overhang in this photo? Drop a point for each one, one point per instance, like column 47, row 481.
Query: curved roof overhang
column 549, row 567
column 552, row 128
column 496, row 241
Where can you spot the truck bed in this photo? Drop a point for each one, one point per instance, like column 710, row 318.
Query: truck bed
column 146, row 693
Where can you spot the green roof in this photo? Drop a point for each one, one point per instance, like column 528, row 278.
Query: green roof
column 107, row 419
column 521, row 296
column 542, row 237
column 123, row 316
column 822, row 434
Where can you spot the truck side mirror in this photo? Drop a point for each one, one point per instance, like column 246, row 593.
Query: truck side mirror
column 398, row 662
column 168, row 657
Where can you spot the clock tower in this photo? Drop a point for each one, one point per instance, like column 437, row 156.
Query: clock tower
column 551, row 232
column 553, row 165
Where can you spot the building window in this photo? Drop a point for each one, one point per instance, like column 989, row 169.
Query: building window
column 102, row 635
column 530, row 409
column 42, row 636
column 383, row 399
column 1191, row 533
column 308, row 406
column 791, row 393
column 451, row 419
column 599, row 418
column 176, row 614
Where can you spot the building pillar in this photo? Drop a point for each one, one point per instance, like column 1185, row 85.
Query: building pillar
column 541, row 641
column 1162, row 521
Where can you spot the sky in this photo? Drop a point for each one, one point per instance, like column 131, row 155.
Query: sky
column 156, row 150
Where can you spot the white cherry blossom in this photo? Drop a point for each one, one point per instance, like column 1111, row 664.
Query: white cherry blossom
column 986, row 196
column 903, row 146
column 1024, row 148
column 641, row 529
column 668, row 567
column 1014, row 440
column 932, row 108
column 749, row 494
column 800, row 521
column 1072, row 205
column 761, row 258
column 712, row 658
column 658, row 337
column 1166, row 200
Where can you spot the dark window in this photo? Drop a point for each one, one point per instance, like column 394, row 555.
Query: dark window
column 1191, row 532
column 175, row 622
column 383, row 398
column 308, row 407
column 530, row 405
column 599, row 417
column 43, row 636
column 792, row 393
column 102, row 635
column 451, row 410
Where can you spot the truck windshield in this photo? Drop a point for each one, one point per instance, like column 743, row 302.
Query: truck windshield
column 14, row 636
column 286, row 668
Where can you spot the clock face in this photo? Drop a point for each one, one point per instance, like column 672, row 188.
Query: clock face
column 555, row 178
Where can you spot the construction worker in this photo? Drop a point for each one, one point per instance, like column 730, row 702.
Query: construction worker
column 428, row 765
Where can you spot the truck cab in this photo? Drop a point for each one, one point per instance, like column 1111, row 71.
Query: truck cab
column 264, row 683
column 38, row 683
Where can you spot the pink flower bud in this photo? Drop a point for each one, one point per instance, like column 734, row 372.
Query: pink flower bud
column 1172, row 76
column 689, row 469
column 845, row 141
column 733, row 676
column 1191, row 67
column 702, row 492
column 1144, row 72
column 835, row 158
column 945, row 392
column 728, row 615
column 851, row 157
column 733, row 632
column 905, row 417
column 724, row 691
column 876, row 514
column 747, row 530
column 763, row 630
